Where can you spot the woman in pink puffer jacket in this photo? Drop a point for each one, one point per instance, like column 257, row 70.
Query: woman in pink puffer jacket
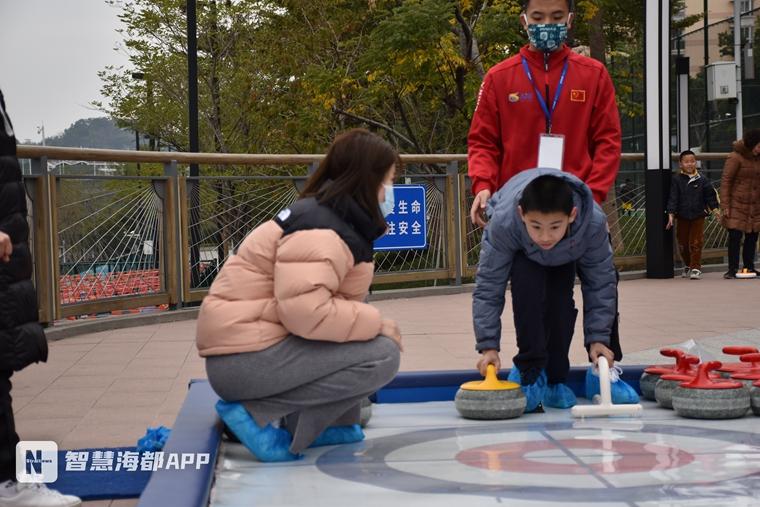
column 291, row 347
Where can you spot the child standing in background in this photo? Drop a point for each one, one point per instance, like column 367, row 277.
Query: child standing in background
column 692, row 197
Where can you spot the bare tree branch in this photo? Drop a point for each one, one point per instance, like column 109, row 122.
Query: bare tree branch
column 374, row 123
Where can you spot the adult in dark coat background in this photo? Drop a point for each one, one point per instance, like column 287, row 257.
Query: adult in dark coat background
column 740, row 201
column 22, row 339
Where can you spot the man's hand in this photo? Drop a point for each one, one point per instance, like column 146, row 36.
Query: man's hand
column 600, row 349
column 391, row 330
column 490, row 356
column 477, row 212
column 669, row 225
column 6, row 247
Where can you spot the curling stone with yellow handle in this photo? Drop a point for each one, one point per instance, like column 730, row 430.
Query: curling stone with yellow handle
column 490, row 398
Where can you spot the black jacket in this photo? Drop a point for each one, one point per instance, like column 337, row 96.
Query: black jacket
column 352, row 223
column 691, row 197
column 22, row 339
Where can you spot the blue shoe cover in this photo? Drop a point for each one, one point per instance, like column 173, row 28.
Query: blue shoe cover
column 154, row 439
column 336, row 435
column 559, row 396
column 268, row 444
column 534, row 393
column 621, row 392
column 514, row 375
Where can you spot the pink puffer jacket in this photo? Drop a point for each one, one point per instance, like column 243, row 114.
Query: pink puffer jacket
column 306, row 282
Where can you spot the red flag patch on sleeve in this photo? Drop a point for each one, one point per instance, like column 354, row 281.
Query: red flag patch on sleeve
column 578, row 95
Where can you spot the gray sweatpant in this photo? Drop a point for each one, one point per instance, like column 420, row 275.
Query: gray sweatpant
column 310, row 384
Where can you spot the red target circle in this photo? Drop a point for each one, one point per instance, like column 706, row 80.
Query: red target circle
column 628, row 457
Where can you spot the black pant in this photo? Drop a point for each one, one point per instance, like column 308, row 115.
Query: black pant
column 8, row 437
column 748, row 252
column 544, row 313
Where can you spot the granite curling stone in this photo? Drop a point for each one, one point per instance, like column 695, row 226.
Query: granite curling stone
column 663, row 389
column 755, row 398
column 704, row 398
column 750, row 375
column 490, row 398
column 652, row 373
column 727, row 369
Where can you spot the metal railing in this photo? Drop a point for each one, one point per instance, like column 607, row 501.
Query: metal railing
column 110, row 244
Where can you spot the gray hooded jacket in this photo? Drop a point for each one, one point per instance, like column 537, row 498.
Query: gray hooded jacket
column 587, row 243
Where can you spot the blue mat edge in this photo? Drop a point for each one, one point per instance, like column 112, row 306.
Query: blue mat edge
column 410, row 387
column 198, row 429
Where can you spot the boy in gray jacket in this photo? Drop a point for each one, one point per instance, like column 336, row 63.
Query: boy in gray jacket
column 542, row 223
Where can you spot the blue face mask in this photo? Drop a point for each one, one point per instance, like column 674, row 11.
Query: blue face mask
column 386, row 207
column 548, row 37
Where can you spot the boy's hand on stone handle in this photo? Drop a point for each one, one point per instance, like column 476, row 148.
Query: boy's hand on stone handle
column 490, row 356
column 600, row 349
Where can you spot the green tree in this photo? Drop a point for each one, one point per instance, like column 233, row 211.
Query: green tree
column 286, row 75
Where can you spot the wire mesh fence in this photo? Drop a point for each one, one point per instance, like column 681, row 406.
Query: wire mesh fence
column 130, row 239
column 223, row 211
column 472, row 234
column 109, row 236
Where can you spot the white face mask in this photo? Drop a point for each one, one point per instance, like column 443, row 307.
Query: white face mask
column 386, row 207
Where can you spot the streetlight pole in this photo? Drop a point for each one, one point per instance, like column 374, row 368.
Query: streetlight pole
column 192, row 182
column 140, row 76
column 738, row 60
column 192, row 81
column 707, row 62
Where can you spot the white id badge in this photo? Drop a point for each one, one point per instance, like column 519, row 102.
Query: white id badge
column 551, row 151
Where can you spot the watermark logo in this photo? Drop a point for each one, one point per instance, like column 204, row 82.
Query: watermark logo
column 36, row 461
column 132, row 461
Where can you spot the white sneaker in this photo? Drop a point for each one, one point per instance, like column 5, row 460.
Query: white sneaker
column 686, row 272
column 695, row 274
column 16, row 494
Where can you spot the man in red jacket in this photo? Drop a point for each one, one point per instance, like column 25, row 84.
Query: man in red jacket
column 550, row 101
column 546, row 88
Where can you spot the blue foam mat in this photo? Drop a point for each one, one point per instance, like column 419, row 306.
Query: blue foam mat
column 98, row 485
